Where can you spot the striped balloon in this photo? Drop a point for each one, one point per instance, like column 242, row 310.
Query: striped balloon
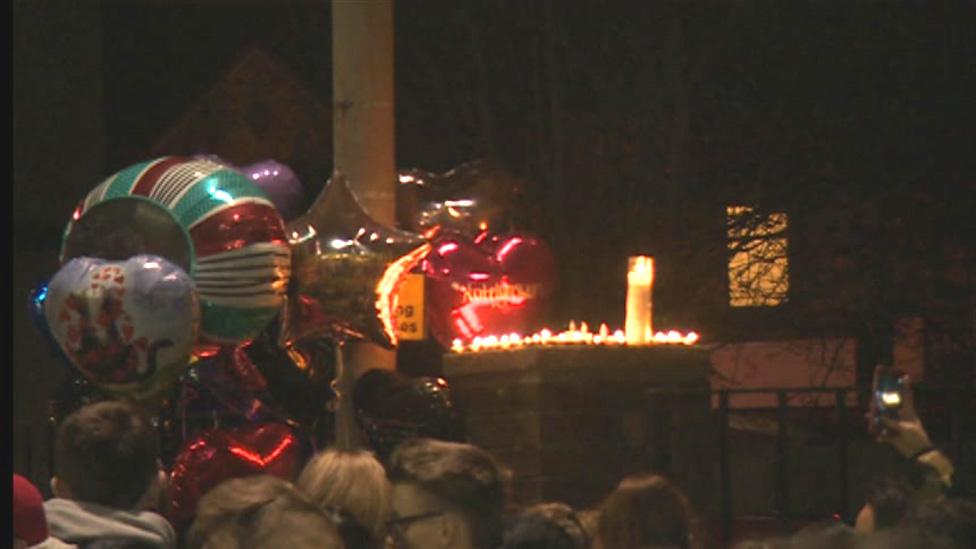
column 239, row 258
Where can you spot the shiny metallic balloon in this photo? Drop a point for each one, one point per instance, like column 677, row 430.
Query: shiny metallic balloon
column 391, row 408
column 205, row 217
column 499, row 285
column 128, row 326
column 280, row 183
column 345, row 271
column 277, row 180
column 468, row 199
column 216, row 455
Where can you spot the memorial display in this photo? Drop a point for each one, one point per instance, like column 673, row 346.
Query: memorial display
column 198, row 290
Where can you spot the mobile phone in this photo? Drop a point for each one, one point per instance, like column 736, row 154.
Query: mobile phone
column 888, row 396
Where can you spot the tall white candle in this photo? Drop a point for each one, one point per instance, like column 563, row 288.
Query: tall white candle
column 638, row 327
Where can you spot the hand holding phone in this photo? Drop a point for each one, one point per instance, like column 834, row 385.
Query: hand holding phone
column 888, row 398
column 892, row 417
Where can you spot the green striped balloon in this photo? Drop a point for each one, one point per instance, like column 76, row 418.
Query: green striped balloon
column 206, row 217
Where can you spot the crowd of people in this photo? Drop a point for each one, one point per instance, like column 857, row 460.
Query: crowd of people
column 109, row 493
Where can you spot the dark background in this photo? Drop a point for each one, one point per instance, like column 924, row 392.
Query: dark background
column 633, row 123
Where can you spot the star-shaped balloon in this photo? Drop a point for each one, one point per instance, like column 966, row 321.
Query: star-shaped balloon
column 468, row 199
column 345, row 271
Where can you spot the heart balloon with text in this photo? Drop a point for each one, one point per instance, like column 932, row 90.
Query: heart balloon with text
column 490, row 285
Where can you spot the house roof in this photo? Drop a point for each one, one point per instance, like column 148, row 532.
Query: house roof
column 256, row 110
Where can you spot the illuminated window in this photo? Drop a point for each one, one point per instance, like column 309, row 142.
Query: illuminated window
column 758, row 266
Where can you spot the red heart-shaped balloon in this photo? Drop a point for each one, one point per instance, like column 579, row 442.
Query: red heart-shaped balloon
column 524, row 259
column 491, row 285
column 216, row 455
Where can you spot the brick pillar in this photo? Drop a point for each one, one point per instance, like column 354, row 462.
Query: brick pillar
column 571, row 422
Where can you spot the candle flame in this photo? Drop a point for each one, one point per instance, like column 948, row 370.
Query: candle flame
column 574, row 335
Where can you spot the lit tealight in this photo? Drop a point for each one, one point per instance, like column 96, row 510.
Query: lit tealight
column 571, row 336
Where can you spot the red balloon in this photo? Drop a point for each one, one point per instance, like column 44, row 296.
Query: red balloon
column 217, row 455
column 490, row 285
column 523, row 258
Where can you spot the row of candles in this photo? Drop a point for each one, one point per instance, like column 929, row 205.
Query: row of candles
column 572, row 336
column 637, row 328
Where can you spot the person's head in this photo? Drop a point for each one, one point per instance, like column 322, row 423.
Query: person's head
column 108, row 453
column 446, row 494
column 546, row 526
column 351, row 480
column 904, row 537
column 646, row 510
column 952, row 518
column 886, row 503
column 771, row 543
column 260, row 512
column 30, row 524
column 824, row 535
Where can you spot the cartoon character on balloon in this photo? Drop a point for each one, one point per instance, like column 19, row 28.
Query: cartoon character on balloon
column 192, row 287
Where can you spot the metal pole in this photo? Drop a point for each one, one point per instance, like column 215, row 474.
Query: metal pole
column 841, row 403
column 783, row 464
column 725, row 469
column 363, row 145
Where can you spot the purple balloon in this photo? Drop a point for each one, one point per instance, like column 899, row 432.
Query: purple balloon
column 280, row 184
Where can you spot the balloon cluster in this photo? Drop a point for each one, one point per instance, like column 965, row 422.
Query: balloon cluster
column 206, row 293
column 199, row 290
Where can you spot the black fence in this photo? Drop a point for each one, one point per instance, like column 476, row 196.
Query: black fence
column 783, row 477
column 840, row 422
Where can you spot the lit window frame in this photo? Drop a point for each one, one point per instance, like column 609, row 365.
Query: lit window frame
column 758, row 257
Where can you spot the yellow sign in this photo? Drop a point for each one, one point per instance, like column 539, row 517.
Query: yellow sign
column 410, row 316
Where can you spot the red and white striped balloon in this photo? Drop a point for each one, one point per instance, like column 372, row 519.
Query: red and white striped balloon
column 208, row 218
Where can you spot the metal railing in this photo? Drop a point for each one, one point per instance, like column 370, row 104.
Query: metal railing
column 950, row 429
column 783, row 483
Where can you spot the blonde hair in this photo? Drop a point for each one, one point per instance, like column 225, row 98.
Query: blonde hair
column 260, row 512
column 353, row 481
